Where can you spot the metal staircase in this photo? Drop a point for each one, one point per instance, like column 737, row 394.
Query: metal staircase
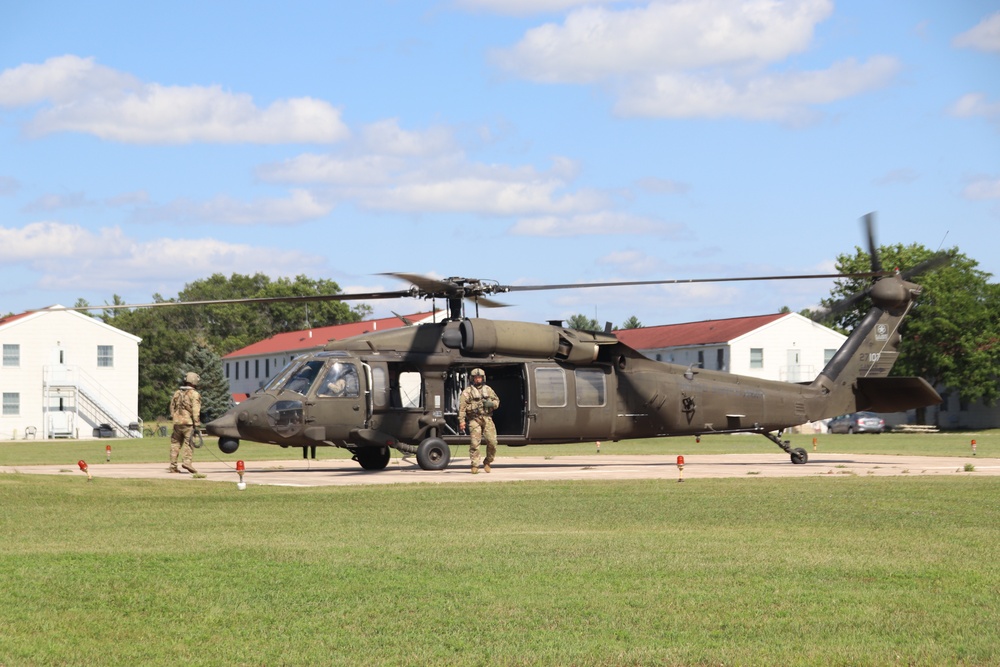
column 70, row 389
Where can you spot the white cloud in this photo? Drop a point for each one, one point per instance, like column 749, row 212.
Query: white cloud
column 588, row 224
column 8, row 185
column 301, row 206
column 54, row 240
column 897, row 176
column 525, row 7
column 71, row 257
column 782, row 97
column 597, row 43
column 632, row 263
column 431, row 176
column 975, row 105
column 984, row 36
column 387, row 138
column 80, row 96
column 982, row 188
column 694, row 58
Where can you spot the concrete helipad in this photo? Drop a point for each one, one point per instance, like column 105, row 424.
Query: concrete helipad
column 342, row 472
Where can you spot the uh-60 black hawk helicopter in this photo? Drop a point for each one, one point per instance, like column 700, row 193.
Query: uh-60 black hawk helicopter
column 399, row 389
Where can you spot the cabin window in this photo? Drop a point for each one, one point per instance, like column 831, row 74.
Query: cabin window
column 756, row 357
column 550, row 387
column 105, row 356
column 410, row 389
column 12, row 355
column 378, row 386
column 591, row 388
column 11, row 404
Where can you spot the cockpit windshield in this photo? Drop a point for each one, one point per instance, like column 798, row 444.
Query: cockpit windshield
column 302, row 378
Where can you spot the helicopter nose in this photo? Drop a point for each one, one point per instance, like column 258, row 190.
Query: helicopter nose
column 224, row 426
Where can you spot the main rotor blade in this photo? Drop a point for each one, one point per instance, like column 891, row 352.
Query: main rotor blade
column 253, row 301
column 682, row 281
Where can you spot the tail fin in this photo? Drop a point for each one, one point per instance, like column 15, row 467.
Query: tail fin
column 857, row 376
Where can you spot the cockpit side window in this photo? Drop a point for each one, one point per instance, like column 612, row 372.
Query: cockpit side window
column 341, row 380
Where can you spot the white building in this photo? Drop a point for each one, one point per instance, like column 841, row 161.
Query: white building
column 783, row 346
column 253, row 366
column 64, row 373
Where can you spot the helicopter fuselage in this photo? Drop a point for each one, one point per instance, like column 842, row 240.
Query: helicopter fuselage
column 556, row 385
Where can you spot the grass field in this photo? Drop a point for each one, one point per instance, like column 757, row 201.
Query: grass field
column 148, row 450
column 812, row 571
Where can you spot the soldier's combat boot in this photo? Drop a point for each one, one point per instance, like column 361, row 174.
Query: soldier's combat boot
column 486, row 467
column 475, row 469
column 173, row 468
column 189, row 468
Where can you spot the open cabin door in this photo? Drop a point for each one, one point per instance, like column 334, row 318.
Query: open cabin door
column 509, row 382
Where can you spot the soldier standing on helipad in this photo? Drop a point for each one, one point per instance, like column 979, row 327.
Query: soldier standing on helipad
column 477, row 402
column 185, row 410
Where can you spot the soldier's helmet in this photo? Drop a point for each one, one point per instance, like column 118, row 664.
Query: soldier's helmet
column 478, row 372
column 192, row 379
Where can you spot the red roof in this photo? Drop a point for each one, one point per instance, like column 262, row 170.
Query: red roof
column 12, row 318
column 693, row 333
column 312, row 339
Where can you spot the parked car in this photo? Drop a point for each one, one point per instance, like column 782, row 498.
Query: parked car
column 857, row 422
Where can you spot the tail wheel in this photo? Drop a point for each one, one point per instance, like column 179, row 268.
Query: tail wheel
column 433, row 454
column 372, row 458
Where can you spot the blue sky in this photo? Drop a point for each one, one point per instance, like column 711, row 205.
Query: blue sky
column 528, row 142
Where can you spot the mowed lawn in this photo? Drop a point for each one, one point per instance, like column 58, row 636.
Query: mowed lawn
column 823, row 570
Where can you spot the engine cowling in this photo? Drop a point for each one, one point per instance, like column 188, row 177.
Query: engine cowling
column 525, row 339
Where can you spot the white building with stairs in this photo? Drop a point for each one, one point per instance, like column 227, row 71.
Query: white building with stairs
column 67, row 375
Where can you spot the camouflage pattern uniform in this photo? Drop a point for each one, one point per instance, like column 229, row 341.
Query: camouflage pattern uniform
column 477, row 403
column 185, row 410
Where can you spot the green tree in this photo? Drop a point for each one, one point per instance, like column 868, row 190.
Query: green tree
column 214, row 388
column 168, row 331
column 952, row 336
column 583, row 323
column 632, row 323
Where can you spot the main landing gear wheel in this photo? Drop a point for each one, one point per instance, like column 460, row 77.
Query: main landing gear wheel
column 433, row 454
column 799, row 456
column 372, row 458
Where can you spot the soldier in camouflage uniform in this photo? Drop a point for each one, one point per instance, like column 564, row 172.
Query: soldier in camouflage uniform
column 185, row 410
column 477, row 402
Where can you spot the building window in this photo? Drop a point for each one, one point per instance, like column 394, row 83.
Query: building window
column 256, row 368
column 227, row 370
column 720, row 359
column 105, row 356
column 11, row 355
column 701, row 358
column 756, row 357
column 828, row 355
column 267, row 368
column 246, row 369
column 11, row 403
column 237, row 365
